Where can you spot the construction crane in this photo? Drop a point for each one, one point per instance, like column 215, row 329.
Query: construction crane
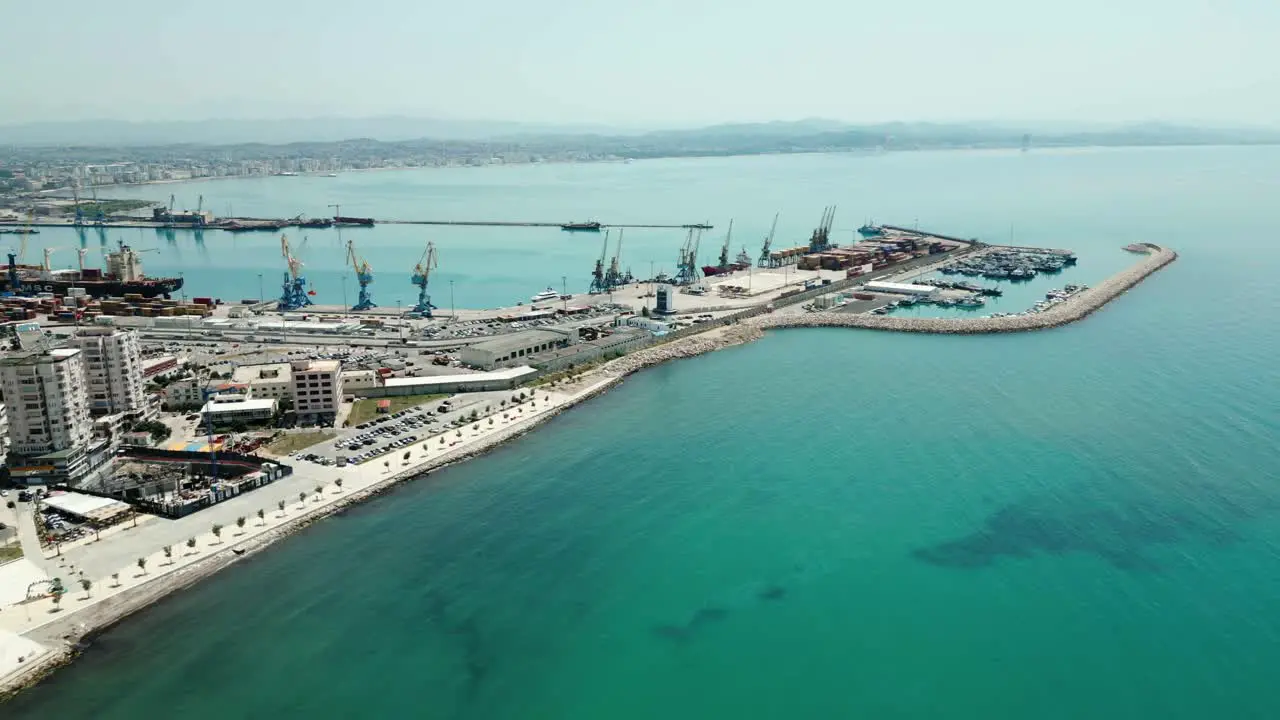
column 293, row 293
column 598, row 284
column 768, row 242
column 421, row 276
column 364, row 276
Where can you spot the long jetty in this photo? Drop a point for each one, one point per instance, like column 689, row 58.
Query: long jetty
column 18, row 227
column 1073, row 309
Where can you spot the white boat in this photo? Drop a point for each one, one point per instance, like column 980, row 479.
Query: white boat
column 548, row 294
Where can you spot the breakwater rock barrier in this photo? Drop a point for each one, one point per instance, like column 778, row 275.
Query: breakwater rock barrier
column 1073, row 309
column 683, row 348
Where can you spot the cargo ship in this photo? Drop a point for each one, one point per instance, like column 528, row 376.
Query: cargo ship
column 123, row 276
column 343, row 220
column 742, row 262
column 582, row 227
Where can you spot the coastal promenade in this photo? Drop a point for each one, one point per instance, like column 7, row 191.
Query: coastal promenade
column 1075, row 308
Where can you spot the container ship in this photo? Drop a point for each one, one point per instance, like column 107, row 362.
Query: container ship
column 582, row 227
column 742, row 262
column 123, row 276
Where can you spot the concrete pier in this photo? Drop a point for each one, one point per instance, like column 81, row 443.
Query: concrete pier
column 1075, row 308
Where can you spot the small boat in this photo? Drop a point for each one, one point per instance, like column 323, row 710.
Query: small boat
column 237, row 551
column 548, row 294
column 870, row 230
column 582, row 227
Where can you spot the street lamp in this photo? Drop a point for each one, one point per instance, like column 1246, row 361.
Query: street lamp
column 453, row 313
column 344, row 293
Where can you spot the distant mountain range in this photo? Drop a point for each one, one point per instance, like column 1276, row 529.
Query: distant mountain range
column 793, row 135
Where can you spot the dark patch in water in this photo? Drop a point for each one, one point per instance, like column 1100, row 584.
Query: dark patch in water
column 1118, row 535
column 772, row 592
column 708, row 615
column 675, row 633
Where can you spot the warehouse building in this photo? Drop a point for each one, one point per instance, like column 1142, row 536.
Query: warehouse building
column 502, row 379
column 221, row 410
column 506, row 350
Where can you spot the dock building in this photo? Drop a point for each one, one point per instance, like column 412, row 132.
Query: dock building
column 512, row 349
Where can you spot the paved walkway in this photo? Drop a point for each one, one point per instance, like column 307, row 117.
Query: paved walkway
column 117, row 553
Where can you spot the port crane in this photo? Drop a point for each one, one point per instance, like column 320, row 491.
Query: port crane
column 75, row 195
column 364, row 276
column 15, row 280
column 724, row 249
column 598, row 283
column 687, row 266
column 293, row 294
column 613, row 277
column 768, row 243
column 820, row 241
column 421, row 276
column 99, row 220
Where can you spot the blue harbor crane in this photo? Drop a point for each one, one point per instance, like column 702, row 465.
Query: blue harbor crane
column 598, row 283
column 75, row 194
column 421, row 276
column 614, row 277
column 687, row 266
column 364, row 276
column 293, row 291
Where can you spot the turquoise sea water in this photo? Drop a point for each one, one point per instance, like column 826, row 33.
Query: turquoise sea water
column 1081, row 522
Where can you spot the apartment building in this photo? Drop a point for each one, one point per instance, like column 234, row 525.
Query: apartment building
column 47, row 402
column 114, row 371
column 317, row 390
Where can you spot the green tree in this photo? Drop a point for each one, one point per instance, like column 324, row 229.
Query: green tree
column 280, row 505
column 319, row 492
column 262, row 517
column 168, row 553
column 338, row 482
column 191, row 543
column 240, row 524
column 302, row 499
column 115, row 579
column 86, row 583
column 142, row 565
column 217, row 532
column 56, row 593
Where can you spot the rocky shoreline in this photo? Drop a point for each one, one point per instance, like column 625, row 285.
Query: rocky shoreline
column 1075, row 308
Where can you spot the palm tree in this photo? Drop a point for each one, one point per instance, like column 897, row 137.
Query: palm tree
column 338, row 482
column 240, row 524
column 262, row 517
column 191, row 543
column 86, row 583
column 142, row 565
column 386, row 464
column 115, row 579
column 441, row 439
column 217, row 532
column 319, row 492
column 168, row 554
column 57, row 599
column 302, row 499
column 475, row 427
column 490, row 421
column 522, row 396
column 281, row 506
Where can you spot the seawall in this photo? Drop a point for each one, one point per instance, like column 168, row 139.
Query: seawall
column 1075, row 308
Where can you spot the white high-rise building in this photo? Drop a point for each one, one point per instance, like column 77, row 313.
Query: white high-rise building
column 47, row 401
column 113, row 367
column 317, row 390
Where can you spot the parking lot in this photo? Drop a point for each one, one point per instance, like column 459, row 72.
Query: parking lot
column 384, row 435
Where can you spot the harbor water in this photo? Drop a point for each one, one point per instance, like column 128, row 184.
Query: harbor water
column 1081, row 522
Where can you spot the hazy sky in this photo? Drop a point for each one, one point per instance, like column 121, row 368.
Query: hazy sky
column 643, row 62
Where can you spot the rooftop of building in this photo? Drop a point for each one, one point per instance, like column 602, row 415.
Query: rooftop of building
column 281, row 371
column 317, row 365
column 38, row 357
column 518, row 341
column 238, row 406
column 511, row 373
